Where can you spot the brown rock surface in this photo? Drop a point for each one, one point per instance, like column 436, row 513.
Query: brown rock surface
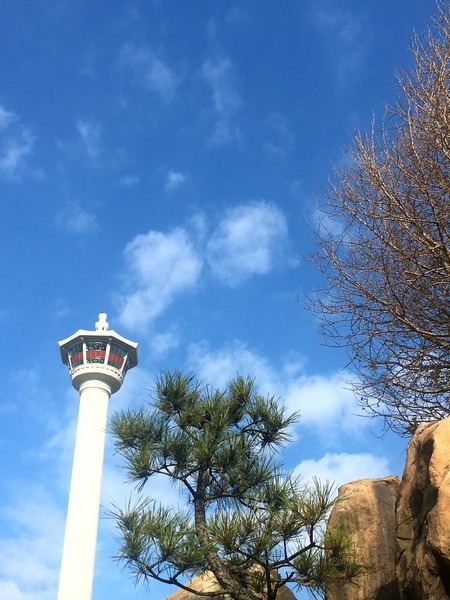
column 367, row 508
column 423, row 515
column 203, row 583
column 206, row 582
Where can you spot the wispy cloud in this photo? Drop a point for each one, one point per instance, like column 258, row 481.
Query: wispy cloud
column 343, row 467
column 15, row 150
column 330, row 17
column 343, row 32
column 235, row 16
column 161, row 343
column 324, row 402
column 129, row 180
column 149, row 70
column 280, row 137
column 6, row 117
column 76, row 220
column 220, row 75
column 90, row 136
column 16, row 144
column 29, row 561
column 159, row 266
column 246, row 241
column 174, row 180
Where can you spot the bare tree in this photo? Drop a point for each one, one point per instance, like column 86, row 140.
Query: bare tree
column 384, row 246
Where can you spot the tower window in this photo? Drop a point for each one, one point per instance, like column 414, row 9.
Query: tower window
column 76, row 355
column 95, row 352
column 117, row 356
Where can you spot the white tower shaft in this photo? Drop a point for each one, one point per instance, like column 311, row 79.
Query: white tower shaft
column 78, row 558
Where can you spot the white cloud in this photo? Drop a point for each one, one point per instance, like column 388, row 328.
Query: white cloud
column 14, row 152
column 227, row 101
column 160, row 266
column 344, row 33
column 235, row 16
column 322, row 398
column 174, row 180
column 246, row 242
column 329, row 16
column 325, row 405
column 211, row 28
column 61, row 444
column 217, row 367
column 89, row 132
column 74, row 219
column 30, row 392
column 150, row 71
column 281, row 138
column 343, row 468
column 6, row 117
column 129, row 181
column 87, row 142
column 16, row 144
column 29, row 560
column 11, row 591
column 161, row 343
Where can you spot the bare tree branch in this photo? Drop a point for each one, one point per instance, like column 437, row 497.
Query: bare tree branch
column 384, row 247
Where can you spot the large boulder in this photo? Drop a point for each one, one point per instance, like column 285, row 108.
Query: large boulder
column 423, row 515
column 203, row 583
column 207, row 583
column 366, row 507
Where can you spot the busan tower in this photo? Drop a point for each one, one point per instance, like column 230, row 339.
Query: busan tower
column 98, row 361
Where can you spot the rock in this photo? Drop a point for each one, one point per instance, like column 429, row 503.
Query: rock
column 367, row 508
column 202, row 583
column 423, row 515
column 207, row 583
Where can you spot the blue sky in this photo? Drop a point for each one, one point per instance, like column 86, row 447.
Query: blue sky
column 162, row 161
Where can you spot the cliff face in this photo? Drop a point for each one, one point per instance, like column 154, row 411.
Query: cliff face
column 367, row 508
column 402, row 529
column 423, row 515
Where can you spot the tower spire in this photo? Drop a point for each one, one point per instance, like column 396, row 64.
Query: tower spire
column 102, row 324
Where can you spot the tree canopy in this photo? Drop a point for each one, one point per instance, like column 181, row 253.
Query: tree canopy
column 255, row 527
column 384, row 246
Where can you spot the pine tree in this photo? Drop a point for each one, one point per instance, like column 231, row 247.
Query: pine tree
column 255, row 527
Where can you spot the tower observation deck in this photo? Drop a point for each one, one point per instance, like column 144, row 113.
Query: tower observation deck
column 101, row 354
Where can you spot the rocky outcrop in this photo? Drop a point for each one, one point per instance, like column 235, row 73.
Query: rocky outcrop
column 367, row 508
column 401, row 529
column 207, row 583
column 423, row 515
